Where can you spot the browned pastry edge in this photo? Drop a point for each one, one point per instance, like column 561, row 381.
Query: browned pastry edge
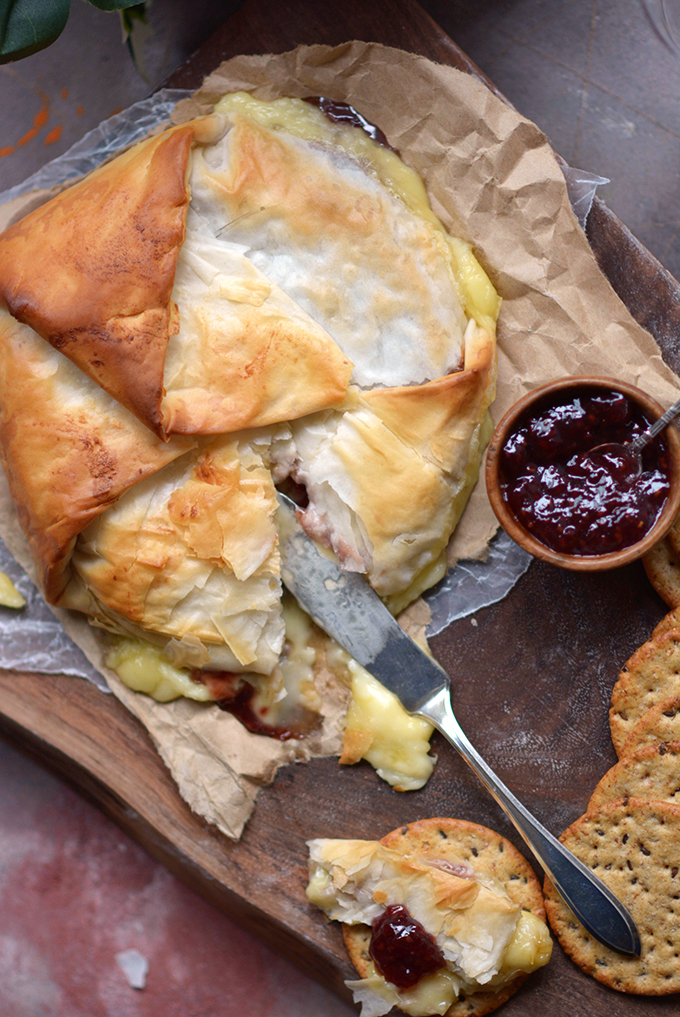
column 92, row 269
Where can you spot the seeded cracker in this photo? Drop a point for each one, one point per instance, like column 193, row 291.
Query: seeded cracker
column 651, row 676
column 660, row 724
column 634, row 847
column 662, row 566
column 673, row 537
column 483, row 849
column 652, row 772
column 669, row 621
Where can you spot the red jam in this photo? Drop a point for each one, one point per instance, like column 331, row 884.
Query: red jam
column 402, row 951
column 343, row 113
column 237, row 696
column 570, row 500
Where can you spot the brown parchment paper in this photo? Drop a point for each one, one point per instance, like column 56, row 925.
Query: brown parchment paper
column 493, row 180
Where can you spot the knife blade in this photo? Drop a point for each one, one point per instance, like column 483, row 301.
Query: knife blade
column 347, row 608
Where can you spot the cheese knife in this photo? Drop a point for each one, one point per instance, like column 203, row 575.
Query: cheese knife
column 344, row 605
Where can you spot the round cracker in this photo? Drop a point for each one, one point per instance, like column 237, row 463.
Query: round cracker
column 652, row 772
column 673, row 537
column 650, row 676
column 662, row 566
column 484, row 849
column 669, row 621
column 660, row 724
column 634, row 847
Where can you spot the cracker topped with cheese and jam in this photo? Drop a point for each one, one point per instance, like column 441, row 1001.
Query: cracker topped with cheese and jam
column 441, row 916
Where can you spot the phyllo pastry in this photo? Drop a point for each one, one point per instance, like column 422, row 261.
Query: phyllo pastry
column 257, row 296
column 439, row 917
column 190, row 555
column 345, row 228
column 108, row 272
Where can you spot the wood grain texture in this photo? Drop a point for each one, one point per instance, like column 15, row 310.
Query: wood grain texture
column 531, row 678
column 650, row 292
column 263, row 26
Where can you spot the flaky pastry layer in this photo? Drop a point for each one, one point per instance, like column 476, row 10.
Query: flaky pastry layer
column 252, row 296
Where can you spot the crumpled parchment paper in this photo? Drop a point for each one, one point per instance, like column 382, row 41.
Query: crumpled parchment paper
column 493, row 180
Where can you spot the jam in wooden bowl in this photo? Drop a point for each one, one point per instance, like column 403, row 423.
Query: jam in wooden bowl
column 561, row 488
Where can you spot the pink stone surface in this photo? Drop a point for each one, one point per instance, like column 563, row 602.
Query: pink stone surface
column 75, row 891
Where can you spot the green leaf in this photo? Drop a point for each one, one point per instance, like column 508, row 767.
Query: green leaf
column 136, row 32
column 113, row 5
column 27, row 26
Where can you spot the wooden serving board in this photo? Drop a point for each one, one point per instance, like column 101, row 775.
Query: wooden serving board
column 532, row 675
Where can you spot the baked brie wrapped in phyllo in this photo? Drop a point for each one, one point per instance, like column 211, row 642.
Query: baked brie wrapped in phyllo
column 260, row 296
column 436, row 915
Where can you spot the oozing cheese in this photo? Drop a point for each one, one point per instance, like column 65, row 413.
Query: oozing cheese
column 144, row 668
column 379, row 730
column 530, row 946
column 377, row 727
column 9, row 595
column 433, row 994
column 529, row 949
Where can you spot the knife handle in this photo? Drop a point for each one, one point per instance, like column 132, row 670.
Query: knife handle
column 593, row 903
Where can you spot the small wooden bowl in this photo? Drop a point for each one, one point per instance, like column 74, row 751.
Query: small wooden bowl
column 512, row 526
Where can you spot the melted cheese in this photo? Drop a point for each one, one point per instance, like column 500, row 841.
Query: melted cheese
column 529, row 949
column 9, row 595
column 379, row 730
column 480, row 299
column 377, row 726
column 299, row 657
column 143, row 667
column 303, row 120
column 433, row 994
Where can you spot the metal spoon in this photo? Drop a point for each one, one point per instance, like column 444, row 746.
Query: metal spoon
column 629, row 452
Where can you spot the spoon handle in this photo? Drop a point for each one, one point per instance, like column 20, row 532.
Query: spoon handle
column 593, row 903
column 651, row 432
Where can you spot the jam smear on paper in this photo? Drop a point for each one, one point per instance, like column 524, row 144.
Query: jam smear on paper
column 237, row 696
